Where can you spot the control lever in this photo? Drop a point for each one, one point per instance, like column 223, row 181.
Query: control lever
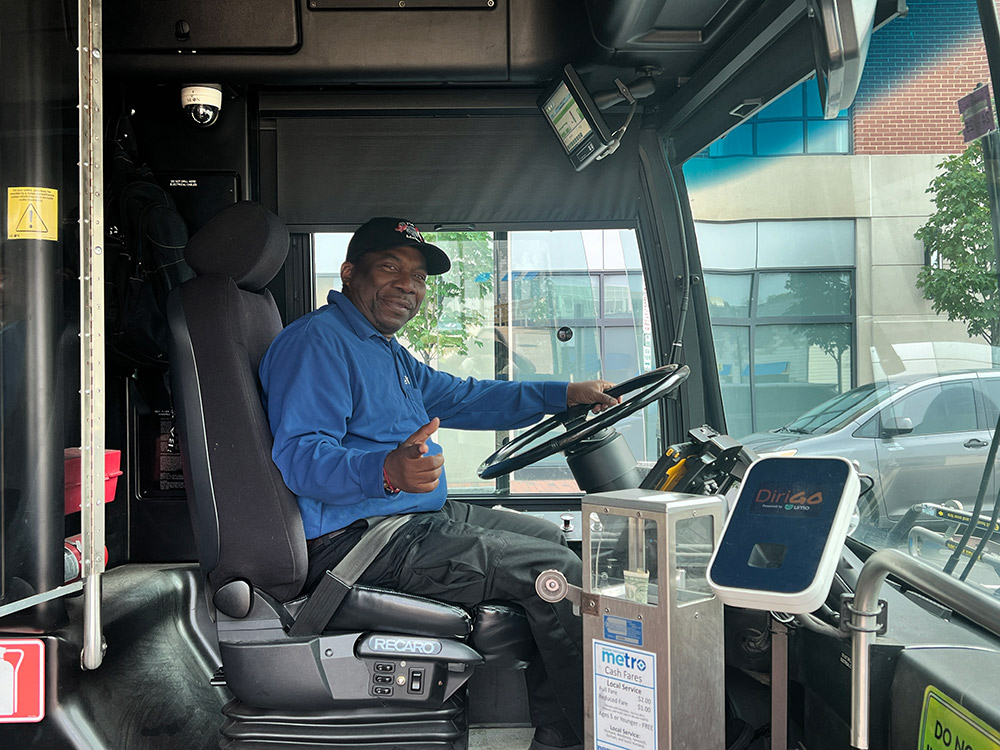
column 552, row 586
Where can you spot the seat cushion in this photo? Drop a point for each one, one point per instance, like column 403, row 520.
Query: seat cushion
column 371, row 608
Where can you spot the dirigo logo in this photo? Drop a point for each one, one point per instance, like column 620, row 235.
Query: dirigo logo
column 787, row 497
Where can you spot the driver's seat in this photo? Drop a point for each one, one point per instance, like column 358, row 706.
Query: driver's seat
column 347, row 686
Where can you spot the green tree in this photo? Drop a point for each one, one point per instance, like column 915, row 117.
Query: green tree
column 453, row 305
column 959, row 277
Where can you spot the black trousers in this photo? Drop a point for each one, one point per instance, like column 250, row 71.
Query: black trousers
column 466, row 554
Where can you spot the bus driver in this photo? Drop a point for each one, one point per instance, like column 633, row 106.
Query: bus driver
column 353, row 415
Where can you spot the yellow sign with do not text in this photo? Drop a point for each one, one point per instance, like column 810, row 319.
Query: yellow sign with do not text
column 946, row 725
column 32, row 213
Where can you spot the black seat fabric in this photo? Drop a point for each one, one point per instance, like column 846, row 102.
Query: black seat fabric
column 249, row 533
column 246, row 520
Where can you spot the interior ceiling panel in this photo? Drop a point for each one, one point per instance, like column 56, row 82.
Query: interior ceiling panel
column 700, row 51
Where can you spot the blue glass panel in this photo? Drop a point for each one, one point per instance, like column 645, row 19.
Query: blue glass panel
column 828, row 137
column 728, row 295
column 737, row 142
column 787, row 106
column 732, row 354
column 774, row 138
column 820, row 242
column 796, row 368
column 729, row 246
column 800, row 294
column 814, row 107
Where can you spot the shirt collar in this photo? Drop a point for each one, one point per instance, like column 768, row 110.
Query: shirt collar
column 361, row 326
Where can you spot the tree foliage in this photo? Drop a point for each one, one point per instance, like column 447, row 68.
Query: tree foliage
column 453, row 303
column 959, row 277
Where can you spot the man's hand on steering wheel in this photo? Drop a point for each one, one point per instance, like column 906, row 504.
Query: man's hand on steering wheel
column 591, row 392
column 645, row 388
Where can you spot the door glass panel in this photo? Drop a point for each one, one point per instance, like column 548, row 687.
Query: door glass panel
column 950, row 407
column 622, row 296
column 538, row 306
column 542, row 298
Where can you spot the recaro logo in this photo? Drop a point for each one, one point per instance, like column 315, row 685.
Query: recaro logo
column 403, row 645
column 779, row 497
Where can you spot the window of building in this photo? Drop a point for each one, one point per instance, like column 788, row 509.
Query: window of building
column 792, row 124
column 498, row 315
column 784, row 337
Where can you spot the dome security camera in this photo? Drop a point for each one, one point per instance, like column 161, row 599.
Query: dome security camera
column 202, row 102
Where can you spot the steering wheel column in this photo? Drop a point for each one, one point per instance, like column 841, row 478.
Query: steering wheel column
column 603, row 462
column 598, row 455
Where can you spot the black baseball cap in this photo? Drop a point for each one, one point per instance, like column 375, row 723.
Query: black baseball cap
column 385, row 233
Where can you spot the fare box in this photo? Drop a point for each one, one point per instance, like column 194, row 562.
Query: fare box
column 22, row 680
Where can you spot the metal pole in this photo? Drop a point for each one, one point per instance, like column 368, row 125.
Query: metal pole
column 964, row 600
column 779, row 685
column 991, row 152
column 92, row 394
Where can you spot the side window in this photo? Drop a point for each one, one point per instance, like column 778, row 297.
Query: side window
column 526, row 305
column 949, row 407
column 990, row 390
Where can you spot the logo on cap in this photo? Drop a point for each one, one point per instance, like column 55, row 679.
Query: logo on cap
column 405, row 227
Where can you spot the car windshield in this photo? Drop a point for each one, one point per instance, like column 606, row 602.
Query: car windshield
column 849, row 267
column 840, row 410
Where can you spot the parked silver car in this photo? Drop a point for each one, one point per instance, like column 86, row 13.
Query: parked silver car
column 922, row 438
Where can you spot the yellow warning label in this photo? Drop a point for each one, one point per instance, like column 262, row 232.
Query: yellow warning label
column 945, row 725
column 32, row 213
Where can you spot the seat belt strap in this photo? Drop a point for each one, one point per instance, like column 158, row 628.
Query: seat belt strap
column 336, row 583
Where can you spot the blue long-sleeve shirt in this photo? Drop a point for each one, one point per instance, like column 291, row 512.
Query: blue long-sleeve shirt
column 340, row 396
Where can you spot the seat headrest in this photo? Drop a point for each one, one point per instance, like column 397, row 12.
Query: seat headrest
column 244, row 241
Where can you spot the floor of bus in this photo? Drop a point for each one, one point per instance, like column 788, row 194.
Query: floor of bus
column 153, row 691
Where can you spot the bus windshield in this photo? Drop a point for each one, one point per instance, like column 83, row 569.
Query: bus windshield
column 849, row 270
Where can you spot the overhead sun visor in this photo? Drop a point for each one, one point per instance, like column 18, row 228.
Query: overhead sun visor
column 484, row 169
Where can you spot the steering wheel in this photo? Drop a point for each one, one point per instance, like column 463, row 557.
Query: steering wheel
column 651, row 385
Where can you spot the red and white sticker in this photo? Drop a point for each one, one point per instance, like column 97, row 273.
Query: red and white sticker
column 22, row 680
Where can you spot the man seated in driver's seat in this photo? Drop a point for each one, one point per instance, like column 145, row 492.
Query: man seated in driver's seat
column 353, row 415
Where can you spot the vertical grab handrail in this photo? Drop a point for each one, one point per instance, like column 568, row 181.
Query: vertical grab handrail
column 92, row 390
column 958, row 596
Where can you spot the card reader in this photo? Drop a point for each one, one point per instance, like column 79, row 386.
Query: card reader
column 781, row 543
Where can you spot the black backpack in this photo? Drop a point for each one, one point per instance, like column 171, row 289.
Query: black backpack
column 145, row 260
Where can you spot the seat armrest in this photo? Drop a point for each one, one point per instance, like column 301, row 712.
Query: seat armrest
column 371, row 608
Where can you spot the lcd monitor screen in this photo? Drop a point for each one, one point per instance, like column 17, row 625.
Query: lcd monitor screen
column 567, row 118
column 575, row 119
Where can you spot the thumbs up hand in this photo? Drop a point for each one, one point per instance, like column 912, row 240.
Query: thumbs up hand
column 409, row 468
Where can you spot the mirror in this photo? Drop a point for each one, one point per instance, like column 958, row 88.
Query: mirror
column 893, row 426
column 842, row 30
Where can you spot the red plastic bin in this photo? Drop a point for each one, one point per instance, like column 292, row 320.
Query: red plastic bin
column 112, row 470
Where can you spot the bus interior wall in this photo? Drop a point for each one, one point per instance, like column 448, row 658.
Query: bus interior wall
column 203, row 170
